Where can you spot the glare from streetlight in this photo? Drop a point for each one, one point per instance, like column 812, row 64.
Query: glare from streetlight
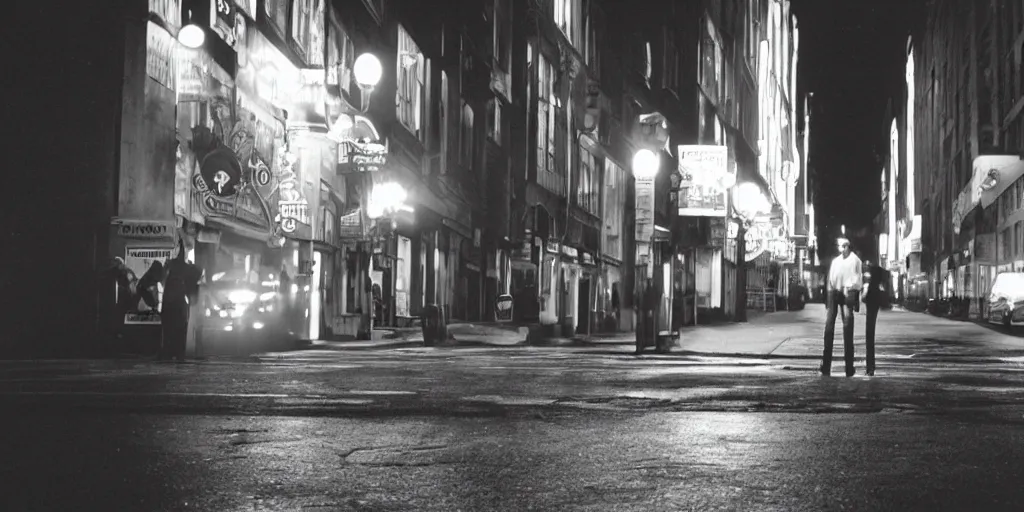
column 191, row 36
column 386, row 198
column 749, row 200
column 645, row 164
column 367, row 70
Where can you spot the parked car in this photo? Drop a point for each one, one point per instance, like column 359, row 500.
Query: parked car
column 1006, row 300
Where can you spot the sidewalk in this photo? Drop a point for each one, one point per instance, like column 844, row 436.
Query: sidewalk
column 459, row 334
column 760, row 335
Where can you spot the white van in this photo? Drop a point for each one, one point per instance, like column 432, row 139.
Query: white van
column 1006, row 300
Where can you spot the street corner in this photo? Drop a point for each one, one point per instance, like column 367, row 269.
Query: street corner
column 487, row 334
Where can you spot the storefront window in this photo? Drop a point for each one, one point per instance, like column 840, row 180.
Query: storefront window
column 614, row 208
column 403, row 276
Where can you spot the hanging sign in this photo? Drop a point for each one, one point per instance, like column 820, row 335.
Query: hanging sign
column 503, row 308
column 144, row 229
column 704, row 178
column 644, row 209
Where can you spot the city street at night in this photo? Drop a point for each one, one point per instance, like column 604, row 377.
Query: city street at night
column 577, row 427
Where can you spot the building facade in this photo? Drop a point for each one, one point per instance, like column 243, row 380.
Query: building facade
column 487, row 170
column 965, row 144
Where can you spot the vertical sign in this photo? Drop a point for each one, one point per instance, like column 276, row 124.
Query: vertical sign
column 644, row 209
column 705, row 177
column 160, row 46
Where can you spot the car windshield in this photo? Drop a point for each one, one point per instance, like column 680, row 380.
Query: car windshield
column 1010, row 285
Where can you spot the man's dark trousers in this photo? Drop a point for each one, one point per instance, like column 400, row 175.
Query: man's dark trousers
column 869, row 335
column 837, row 301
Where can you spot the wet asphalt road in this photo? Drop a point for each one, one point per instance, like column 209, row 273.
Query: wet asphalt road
column 939, row 427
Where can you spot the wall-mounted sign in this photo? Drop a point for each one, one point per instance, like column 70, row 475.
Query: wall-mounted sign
column 644, row 209
column 503, row 308
column 961, row 207
column 144, row 229
column 587, row 258
column 224, row 18
column 570, row 252
column 552, row 246
column 221, row 187
column 146, row 264
column 704, row 178
column 167, row 10
column 160, row 55
column 354, row 157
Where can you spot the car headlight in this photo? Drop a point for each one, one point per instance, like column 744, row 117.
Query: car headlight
column 242, row 296
column 267, row 296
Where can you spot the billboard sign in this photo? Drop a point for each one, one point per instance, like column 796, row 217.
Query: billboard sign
column 704, row 179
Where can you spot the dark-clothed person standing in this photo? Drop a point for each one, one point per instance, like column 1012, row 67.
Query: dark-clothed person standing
column 181, row 285
column 874, row 297
column 844, row 284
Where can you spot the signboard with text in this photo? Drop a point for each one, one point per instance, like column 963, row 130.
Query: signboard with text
column 644, row 209
column 704, row 178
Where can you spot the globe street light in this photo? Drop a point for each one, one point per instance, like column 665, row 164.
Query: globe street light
column 645, row 164
column 385, row 198
column 191, row 36
column 749, row 200
column 367, row 71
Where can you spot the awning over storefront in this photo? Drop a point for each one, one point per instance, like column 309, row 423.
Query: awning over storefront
column 993, row 174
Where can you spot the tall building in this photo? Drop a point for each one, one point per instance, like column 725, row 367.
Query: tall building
column 966, row 141
column 366, row 159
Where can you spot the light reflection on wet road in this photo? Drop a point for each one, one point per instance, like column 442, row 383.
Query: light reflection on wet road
column 527, row 428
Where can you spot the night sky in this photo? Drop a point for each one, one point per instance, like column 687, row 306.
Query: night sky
column 852, row 59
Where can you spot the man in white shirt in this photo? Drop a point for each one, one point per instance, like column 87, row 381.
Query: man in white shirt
column 844, row 284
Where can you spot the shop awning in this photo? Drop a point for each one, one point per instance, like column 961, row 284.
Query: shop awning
column 994, row 174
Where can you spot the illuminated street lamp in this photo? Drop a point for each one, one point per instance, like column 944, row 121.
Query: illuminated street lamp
column 385, row 199
column 367, row 71
column 645, row 164
column 749, row 200
column 191, row 35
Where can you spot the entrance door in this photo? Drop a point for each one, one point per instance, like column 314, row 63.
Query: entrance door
column 583, row 307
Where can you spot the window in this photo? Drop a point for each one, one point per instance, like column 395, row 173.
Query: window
column 670, row 66
column 586, row 191
column 376, row 8
column 341, row 55
column 591, row 48
column 300, row 24
column 494, row 121
column 500, row 43
column 277, row 11
column 648, row 62
column 317, row 27
column 411, row 78
column 545, row 116
column 466, row 136
column 614, row 208
column 446, row 145
column 1017, row 239
column 567, row 18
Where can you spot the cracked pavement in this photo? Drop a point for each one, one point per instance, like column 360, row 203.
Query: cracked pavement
column 530, row 428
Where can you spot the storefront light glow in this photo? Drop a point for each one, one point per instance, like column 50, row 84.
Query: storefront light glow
column 191, row 36
column 750, row 200
column 645, row 164
column 257, row 325
column 367, row 70
column 386, row 198
column 241, row 296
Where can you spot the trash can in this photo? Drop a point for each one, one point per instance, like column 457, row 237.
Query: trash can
column 433, row 325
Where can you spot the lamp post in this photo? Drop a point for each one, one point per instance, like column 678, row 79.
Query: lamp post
column 646, row 164
column 748, row 201
column 367, row 72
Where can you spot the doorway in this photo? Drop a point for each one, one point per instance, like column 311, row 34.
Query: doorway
column 583, row 307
